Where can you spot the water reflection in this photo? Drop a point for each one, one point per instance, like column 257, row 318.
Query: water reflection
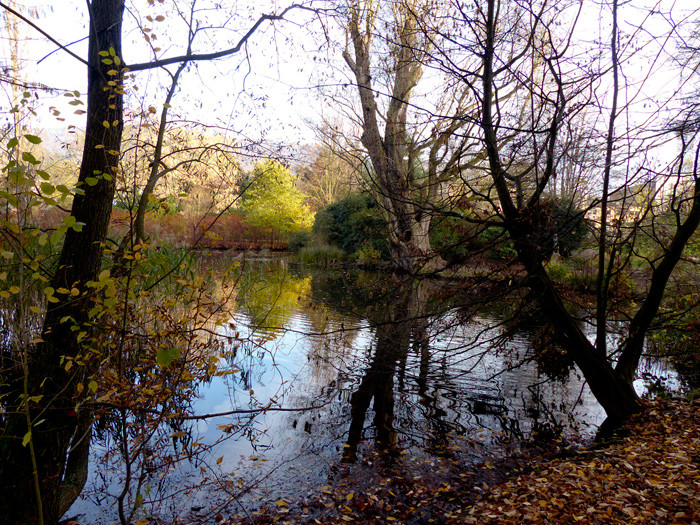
column 414, row 369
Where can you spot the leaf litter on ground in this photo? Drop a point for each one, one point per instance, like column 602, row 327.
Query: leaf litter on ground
column 648, row 472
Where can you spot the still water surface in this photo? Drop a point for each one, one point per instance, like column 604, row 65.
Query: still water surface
column 417, row 370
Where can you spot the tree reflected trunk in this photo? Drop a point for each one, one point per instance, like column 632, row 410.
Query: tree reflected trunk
column 403, row 320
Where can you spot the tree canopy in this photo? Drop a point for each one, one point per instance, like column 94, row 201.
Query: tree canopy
column 270, row 199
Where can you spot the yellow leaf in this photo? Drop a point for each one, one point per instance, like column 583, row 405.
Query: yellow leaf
column 105, row 124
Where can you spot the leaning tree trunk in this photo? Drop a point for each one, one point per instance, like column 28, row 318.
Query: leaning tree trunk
column 614, row 391
column 60, row 442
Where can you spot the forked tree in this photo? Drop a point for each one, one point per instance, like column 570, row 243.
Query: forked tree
column 534, row 44
column 412, row 153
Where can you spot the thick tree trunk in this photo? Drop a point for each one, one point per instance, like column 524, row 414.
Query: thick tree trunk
column 411, row 251
column 401, row 196
column 61, row 440
column 613, row 391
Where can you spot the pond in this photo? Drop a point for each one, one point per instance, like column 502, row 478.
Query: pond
column 337, row 372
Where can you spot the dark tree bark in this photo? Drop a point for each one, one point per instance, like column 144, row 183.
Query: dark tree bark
column 616, row 395
column 610, row 382
column 61, row 441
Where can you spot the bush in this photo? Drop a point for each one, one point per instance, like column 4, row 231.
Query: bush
column 497, row 243
column 570, row 226
column 351, row 223
column 452, row 237
column 367, row 254
column 299, row 240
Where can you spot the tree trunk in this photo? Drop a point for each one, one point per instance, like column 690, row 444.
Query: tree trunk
column 613, row 391
column 394, row 179
column 62, row 429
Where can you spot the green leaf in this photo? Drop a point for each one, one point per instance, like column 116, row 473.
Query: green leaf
column 10, row 198
column 27, row 438
column 69, row 221
column 47, row 188
column 28, row 157
column 43, row 174
column 165, row 356
column 91, row 181
column 33, row 139
column 12, row 143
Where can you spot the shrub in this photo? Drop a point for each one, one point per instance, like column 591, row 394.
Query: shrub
column 271, row 200
column 497, row 243
column 351, row 223
column 570, row 226
column 367, row 254
column 452, row 237
column 299, row 240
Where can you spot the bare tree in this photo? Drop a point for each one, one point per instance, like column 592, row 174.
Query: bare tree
column 412, row 155
column 526, row 139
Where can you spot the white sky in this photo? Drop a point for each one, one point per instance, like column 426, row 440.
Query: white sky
column 263, row 93
column 270, row 94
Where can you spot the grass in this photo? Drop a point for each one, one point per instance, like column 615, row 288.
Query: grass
column 323, row 255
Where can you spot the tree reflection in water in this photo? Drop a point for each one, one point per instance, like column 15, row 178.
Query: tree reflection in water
column 418, row 370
